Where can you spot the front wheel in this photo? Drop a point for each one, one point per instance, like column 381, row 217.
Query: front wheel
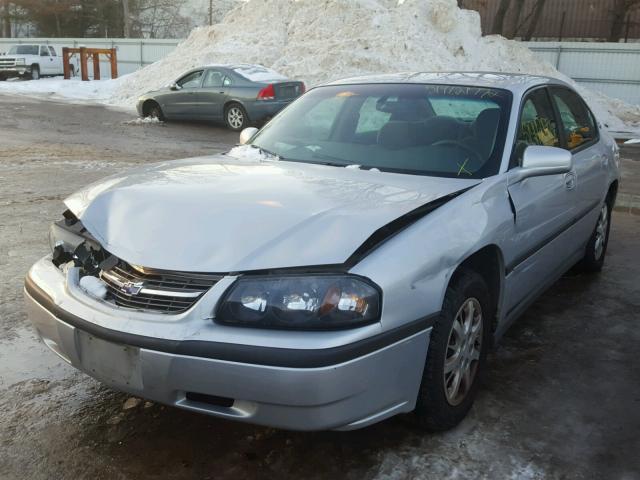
column 236, row 117
column 35, row 72
column 457, row 354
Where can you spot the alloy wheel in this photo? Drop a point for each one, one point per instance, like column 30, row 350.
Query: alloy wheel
column 601, row 232
column 463, row 351
column 235, row 117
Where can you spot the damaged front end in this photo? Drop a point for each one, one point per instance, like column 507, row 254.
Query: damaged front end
column 110, row 279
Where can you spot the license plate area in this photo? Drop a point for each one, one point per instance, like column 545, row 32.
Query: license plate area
column 114, row 364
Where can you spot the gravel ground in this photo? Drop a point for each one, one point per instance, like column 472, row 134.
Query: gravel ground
column 562, row 399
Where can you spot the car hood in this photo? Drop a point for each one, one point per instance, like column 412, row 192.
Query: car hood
column 220, row 214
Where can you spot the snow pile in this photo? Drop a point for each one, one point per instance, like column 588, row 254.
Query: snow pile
column 321, row 41
column 145, row 121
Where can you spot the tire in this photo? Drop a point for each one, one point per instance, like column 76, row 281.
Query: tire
column 35, row 72
column 236, row 118
column 154, row 110
column 594, row 255
column 440, row 406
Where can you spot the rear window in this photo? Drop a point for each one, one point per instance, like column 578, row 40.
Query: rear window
column 434, row 130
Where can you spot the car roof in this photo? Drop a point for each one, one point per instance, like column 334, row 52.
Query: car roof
column 516, row 82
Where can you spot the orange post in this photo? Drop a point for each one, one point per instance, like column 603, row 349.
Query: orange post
column 96, row 66
column 113, row 57
column 83, row 64
column 65, row 63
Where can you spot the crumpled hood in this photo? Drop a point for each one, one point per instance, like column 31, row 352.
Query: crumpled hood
column 219, row 214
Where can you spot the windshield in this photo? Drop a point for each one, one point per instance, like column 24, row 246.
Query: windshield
column 437, row 130
column 24, row 50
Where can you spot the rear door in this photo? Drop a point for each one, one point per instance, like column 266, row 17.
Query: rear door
column 212, row 95
column 582, row 140
column 543, row 207
column 183, row 102
column 47, row 66
column 56, row 62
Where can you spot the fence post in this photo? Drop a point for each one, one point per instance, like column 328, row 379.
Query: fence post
column 558, row 57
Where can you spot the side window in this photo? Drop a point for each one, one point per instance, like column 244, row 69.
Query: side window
column 53, row 52
column 577, row 121
column 371, row 119
column 44, row 51
column 212, row 79
column 537, row 125
column 227, row 82
column 192, row 80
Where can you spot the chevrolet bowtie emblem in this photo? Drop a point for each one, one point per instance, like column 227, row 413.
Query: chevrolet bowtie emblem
column 132, row 288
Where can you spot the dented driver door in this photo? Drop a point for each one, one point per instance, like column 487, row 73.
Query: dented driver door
column 543, row 207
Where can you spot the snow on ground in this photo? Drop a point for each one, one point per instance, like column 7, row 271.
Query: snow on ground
column 59, row 88
column 321, row 41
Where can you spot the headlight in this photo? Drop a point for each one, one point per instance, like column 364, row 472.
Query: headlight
column 20, row 61
column 321, row 302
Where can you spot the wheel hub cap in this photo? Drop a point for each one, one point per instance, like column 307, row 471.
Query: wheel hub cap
column 601, row 231
column 235, row 117
column 463, row 351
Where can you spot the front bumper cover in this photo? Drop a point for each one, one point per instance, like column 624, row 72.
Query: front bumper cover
column 344, row 387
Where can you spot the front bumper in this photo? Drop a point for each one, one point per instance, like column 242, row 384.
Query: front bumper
column 15, row 71
column 344, row 387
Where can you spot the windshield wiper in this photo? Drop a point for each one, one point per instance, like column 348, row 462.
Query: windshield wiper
column 268, row 152
column 323, row 156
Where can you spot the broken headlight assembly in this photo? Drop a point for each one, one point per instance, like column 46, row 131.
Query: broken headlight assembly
column 301, row 302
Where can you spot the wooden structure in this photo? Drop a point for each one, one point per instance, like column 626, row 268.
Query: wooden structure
column 85, row 53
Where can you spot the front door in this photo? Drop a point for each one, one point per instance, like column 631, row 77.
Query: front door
column 543, row 207
column 182, row 103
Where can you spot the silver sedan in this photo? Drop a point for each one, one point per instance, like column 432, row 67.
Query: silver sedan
column 354, row 259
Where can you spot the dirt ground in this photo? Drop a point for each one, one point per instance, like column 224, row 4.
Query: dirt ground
column 562, row 398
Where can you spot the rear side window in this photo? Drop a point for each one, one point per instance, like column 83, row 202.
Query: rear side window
column 537, row 125
column 212, row 79
column 192, row 80
column 577, row 121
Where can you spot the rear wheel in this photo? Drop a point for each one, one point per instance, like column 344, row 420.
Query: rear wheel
column 35, row 72
column 236, row 117
column 593, row 259
column 457, row 354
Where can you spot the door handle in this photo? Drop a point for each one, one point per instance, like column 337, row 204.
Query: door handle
column 570, row 180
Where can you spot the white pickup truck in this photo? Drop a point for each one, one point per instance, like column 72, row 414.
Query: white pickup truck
column 32, row 61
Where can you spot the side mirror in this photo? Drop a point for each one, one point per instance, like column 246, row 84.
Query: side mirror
column 541, row 161
column 174, row 86
column 247, row 134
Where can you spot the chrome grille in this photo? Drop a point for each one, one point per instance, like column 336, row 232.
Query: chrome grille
column 7, row 62
column 156, row 290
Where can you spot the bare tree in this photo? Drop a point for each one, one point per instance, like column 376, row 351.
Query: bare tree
column 498, row 20
column 535, row 19
column 619, row 12
column 5, row 18
column 126, row 19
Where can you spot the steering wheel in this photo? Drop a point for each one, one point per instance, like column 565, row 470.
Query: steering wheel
column 460, row 145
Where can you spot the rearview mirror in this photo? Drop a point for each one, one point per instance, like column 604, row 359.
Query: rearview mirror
column 247, row 134
column 174, row 86
column 541, row 161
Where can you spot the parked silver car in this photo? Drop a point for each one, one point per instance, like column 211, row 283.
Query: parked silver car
column 354, row 259
column 239, row 95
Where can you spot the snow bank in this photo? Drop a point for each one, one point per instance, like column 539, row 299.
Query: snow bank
column 321, row 41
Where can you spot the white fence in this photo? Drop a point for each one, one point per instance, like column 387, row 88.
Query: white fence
column 610, row 68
